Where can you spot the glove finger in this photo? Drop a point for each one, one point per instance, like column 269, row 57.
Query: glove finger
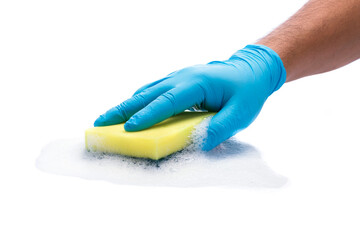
column 146, row 86
column 153, row 83
column 168, row 104
column 225, row 124
column 126, row 109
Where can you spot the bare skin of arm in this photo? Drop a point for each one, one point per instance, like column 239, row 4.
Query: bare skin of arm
column 322, row 36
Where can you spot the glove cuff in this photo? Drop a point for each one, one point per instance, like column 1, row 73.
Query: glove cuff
column 272, row 62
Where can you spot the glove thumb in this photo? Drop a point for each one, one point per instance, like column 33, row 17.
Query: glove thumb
column 225, row 124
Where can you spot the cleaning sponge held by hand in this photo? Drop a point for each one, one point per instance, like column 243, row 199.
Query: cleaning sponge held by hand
column 236, row 88
column 155, row 142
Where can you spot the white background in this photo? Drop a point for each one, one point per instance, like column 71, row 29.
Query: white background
column 62, row 63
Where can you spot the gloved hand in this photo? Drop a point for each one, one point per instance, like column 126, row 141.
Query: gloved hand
column 236, row 88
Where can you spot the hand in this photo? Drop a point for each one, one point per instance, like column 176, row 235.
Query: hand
column 236, row 88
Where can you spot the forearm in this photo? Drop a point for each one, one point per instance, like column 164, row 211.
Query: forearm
column 323, row 35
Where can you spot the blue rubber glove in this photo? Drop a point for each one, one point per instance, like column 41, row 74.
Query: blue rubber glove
column 236, row 88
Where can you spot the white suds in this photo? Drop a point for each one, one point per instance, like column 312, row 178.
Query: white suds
column 231, row 164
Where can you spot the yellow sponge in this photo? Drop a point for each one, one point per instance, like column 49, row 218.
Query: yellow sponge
column 156, row 142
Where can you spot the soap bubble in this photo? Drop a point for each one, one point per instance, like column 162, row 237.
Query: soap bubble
column 231, row 164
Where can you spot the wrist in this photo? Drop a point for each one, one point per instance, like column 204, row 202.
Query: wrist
column 265, row 63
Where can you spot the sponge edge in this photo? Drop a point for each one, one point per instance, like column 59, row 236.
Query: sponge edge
column 155, row 143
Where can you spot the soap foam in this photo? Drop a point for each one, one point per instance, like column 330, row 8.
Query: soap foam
column 231, row 164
